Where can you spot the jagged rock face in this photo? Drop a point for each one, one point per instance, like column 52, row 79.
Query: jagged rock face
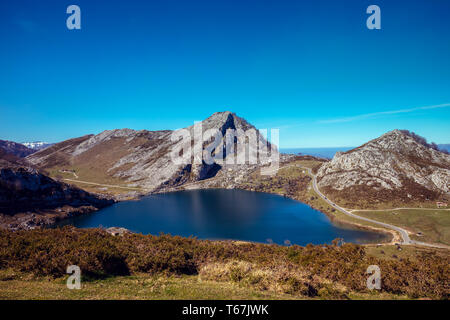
column 395, row 162
column 143, row 158
column 223, row 122
column 23, row 188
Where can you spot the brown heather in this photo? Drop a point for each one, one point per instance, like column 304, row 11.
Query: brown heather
column 327, row 271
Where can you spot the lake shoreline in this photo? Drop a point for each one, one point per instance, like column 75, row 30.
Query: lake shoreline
column 391, row 237
column 225, row 214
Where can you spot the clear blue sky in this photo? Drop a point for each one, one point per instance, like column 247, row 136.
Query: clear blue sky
column 310, row 68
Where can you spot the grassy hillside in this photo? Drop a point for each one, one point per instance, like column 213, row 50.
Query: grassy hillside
column 14, row 285
column 426, row 225
column 33, row 265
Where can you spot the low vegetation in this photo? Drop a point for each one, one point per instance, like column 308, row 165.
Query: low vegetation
column 365, row 197
column 17, row 285
column 425, row 224
column 245, row 270
column 292, row 180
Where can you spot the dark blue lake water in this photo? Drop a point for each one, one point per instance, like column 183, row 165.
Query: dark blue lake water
column 225, row 214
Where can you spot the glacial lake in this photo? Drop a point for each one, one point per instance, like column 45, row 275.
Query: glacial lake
column 219, row 214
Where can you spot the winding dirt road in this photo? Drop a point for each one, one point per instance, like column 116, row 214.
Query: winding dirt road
column 108, row 185
column 404, row 234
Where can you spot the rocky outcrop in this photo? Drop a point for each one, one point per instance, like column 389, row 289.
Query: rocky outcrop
column 394, row 166
column 31, row 199
column 117, row 231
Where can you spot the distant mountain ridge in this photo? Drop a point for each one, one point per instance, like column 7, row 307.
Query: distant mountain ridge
column 329, row 152
column 398, row 167
column 14, row 149
column 37, row 145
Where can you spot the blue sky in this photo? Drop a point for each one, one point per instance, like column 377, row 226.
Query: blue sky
column 310, row 68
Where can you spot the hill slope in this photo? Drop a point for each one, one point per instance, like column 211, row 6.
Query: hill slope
column 395, row 167
column 14, row 149
column 141, row 158
column 29, row 198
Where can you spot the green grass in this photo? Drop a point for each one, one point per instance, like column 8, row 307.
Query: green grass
column 381, row 204
column 409, row 252
column 433, row 224
column 141, row 286
column 91, row 176
column 22, row 286
column 292, row 172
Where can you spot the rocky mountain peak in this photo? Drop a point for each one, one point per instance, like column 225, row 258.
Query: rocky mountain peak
column 222, row 114
column 225, row 120
column 398, row 136
column 405, row 143
column 399, row 161
column 391, row 140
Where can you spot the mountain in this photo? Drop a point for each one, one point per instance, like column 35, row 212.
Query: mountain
column 398, row 167
column 29, row 198
column 8, row 156
column 14, row 149
column 328, row 153
column 37, row 145
column 144, row 159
